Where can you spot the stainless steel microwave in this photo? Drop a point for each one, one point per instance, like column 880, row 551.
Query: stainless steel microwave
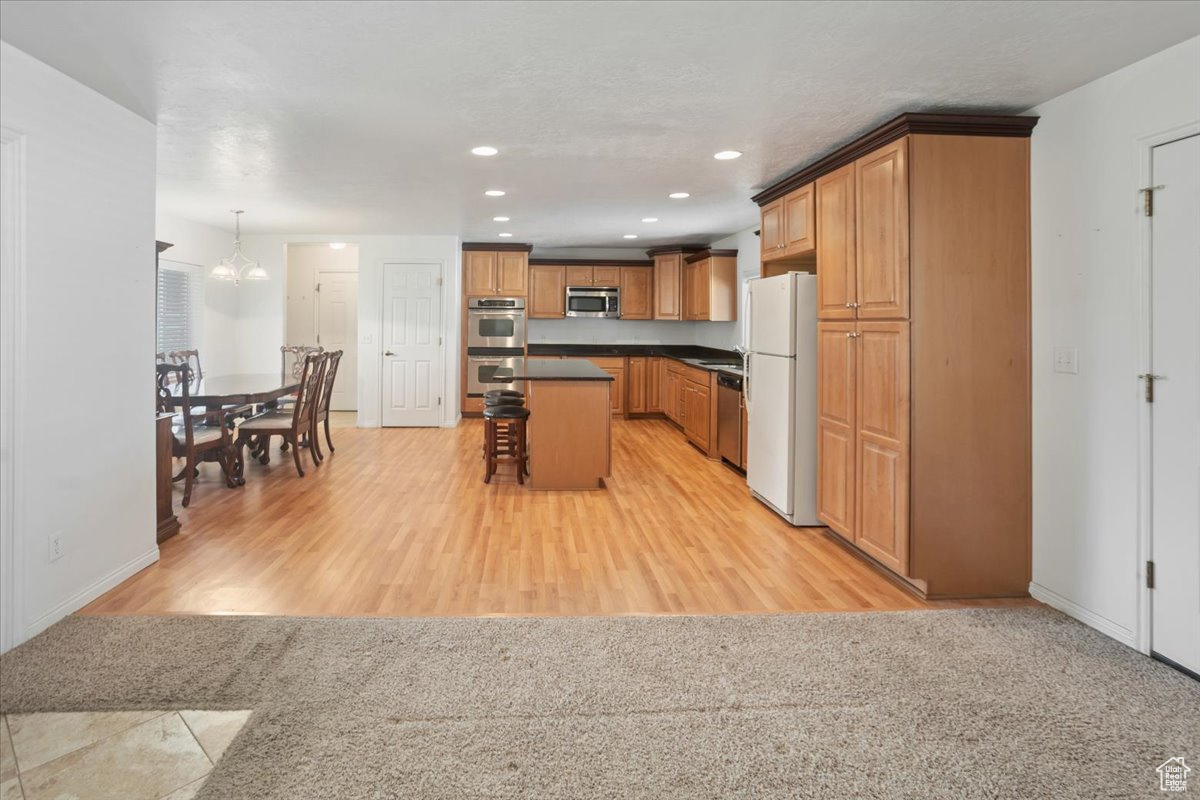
column 593, row 301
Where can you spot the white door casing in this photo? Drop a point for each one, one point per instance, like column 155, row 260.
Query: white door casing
column 411, row 375
column 1175, row 412
column 337, row 329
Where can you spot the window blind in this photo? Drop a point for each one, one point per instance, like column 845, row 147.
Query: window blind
column 178, row 302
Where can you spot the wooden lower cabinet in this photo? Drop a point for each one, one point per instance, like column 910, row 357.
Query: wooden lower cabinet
column 615, row 366
column 672, row 384
column 654, row 385
column 882, row 422
column 635, row 390
column 694, row 399
column 836, row 409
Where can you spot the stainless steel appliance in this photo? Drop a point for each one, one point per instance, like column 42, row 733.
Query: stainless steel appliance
column 496, row 325
column 493, row 372
column 729, row 418
column 593, row 301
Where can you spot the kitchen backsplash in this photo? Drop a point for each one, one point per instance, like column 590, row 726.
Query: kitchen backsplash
column 723, row 335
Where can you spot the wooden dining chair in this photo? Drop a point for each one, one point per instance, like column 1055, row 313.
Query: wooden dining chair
column 291, row 359
column 321, row 412
column 194, row 434
column 187, row 357
column 292, row 424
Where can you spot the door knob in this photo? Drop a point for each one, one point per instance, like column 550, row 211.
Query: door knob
column 388, row 353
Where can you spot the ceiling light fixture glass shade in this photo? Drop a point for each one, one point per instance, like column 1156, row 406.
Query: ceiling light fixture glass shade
column 649, row 219
column 237, row 267
column 727, row 155
column 678, row 195
column 499, row 219
column 505, row 235
column 631, row 236
column 484, row 150
column 495, row 193
column 337, row 245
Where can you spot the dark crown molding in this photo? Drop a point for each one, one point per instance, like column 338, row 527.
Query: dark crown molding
column 667, row 249
column 940, row 124
column 587, row 262
column 497, row 246
column 710, row 253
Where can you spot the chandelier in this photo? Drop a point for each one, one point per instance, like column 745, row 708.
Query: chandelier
column 237, row 267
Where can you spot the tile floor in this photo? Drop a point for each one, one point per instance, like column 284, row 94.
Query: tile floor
column 124, row 755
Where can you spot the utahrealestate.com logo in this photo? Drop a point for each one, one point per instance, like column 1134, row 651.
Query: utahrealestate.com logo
column 1172, row 775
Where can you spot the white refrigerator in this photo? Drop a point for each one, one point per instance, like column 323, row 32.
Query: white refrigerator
column 781, row 394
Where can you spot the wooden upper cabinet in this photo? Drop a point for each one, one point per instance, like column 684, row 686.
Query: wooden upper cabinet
column 882, row 421
column 492, row 272
column 547, row 292
column 697, row 276
column 881, row 192
column 771, row 235
column 710, row 286
column 579, row 276
column 479, row 272
column 668, row 286
column 799, row 221
column 835, row 244
column 606, row 276
column 512, row 274
column 636, row 385
column 637, row 293
column 836, row 410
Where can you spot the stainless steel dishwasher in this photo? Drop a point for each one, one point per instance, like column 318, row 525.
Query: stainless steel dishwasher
column 729, row 418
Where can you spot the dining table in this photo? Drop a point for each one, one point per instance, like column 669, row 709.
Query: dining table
column 215, row 392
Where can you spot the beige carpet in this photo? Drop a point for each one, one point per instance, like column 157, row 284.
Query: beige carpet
column 1005, row 703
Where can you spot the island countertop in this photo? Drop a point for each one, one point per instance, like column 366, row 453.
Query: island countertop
column 554, row 369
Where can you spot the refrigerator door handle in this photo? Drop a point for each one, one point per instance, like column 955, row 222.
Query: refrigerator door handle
column 746, row 382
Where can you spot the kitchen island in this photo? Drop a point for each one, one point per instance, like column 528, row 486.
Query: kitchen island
column 570, row 418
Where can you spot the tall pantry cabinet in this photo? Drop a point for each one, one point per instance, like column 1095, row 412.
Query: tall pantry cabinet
column 923, row 379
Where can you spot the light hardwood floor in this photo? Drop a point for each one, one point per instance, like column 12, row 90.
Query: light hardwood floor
column 399, row 522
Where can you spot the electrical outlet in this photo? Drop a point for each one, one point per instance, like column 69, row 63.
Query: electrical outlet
column 56, row 548
column 1066, row 359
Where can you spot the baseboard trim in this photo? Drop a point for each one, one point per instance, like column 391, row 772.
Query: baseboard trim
column 82, row 598
column 1089, row 618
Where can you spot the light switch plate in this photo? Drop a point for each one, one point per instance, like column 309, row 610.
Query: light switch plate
column 1066, row 360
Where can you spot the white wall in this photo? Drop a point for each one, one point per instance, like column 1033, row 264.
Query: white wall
column 303, row 263
column 203, row 246
column 1086, row 291
column 84, row 463
column 262, row 305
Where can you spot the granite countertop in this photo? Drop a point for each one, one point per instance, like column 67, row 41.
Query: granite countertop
column 690, row 354
column 553, row 369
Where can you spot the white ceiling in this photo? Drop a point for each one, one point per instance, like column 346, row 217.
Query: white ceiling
column 357, row 117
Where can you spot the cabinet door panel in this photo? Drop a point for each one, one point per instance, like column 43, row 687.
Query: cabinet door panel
column 606, row 276
column 654, row 377
column 636, row 293
column 881, row 189
column 512, row 274
column 579, row 276
column 836, row 385
column 618, row 389
column 799, row 221
column 701, row 289
column 882, row 409
column 547, row 292
column 635, row 392
column 771, row 231
column 479, row 272
column 668, row 284
column 835, row 244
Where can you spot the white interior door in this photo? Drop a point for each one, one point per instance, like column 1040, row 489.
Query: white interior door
column 1175, row 412
column 411, row 376
column 337, row 329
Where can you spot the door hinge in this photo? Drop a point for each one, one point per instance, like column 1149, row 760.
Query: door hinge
column 439, row 281
column 439, row 401
column 318, row 289
column 1149, row 574
column 1148, row 199
column 1150, row 379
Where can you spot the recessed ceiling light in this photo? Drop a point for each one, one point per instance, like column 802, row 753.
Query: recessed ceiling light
column 631, row 236
column 678, row 195
column 649, row 219
column 337, row 245
column 726, row 155
column 499, row 219
column 484, row 151
column 495, row 193
column 504, row 235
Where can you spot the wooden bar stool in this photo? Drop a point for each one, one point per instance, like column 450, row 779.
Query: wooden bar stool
column 502, row 397
column 504, row 439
